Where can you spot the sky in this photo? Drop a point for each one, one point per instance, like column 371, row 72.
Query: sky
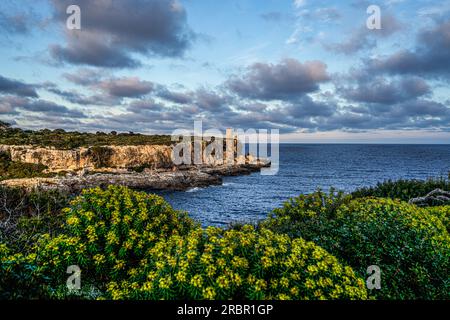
column 312, row 69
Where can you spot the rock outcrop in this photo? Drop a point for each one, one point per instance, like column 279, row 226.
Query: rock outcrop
column 149, row 179
column 142, row 167
column 155, row 156
column 436, row 196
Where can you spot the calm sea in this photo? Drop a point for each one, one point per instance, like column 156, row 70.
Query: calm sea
column 303, row 169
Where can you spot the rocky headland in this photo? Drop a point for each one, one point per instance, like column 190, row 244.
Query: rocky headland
column 140, row 167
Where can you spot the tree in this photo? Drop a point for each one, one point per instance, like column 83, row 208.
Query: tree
column 4, row 125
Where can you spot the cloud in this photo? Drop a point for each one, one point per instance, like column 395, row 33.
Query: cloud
column 50, row 109
column 105, row 91
column 430, row 57
column 321, row 14
column 73, row 96
column 84, row 77
column 307, row 107
column 16, row 24
column 272, row 16
column 176, row 97
column 381, row 90
column 363, row 38
column 299, row 3
column 113, row 31
column 211, row 101
column 287, row 80
column 8, row 104
column 126, row 87
column 16, row 87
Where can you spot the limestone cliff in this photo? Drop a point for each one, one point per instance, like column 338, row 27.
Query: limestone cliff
column 121, row 157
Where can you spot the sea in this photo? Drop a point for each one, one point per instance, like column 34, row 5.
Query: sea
column 303, row 169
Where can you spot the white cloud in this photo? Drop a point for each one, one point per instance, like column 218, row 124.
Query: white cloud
column 299, row 3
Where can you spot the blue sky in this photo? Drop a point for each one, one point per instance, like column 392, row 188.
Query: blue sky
column 309, row 68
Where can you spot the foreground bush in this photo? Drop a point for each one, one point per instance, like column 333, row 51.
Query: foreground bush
column 244, row 264
column 107, row 232
column 26, row 215
column 131, row 245
column 403, row 189
column 441, row 212
column 410, row 245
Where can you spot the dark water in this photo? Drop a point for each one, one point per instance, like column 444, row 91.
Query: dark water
column 304, row 168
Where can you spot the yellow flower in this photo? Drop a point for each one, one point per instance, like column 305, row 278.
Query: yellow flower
column 266, row 262
column 282, row 296
column 165, row 282
column 209, row 293
column 284, row 282
column 197, row 281
column 181, row 276
column 223, row 282
column 313, row 269
column 260, row 285
column 99, row 259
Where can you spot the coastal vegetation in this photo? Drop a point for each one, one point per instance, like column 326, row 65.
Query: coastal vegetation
column 66, row 140
column 133, row 245
column 15, row 170
column 411, row 245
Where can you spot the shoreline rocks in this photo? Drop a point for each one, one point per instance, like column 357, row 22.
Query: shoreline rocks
column 179, row 180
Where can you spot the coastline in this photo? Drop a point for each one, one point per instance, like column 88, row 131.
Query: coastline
column 175, row 179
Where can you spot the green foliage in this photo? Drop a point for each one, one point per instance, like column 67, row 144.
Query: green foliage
column 107, row 233
column 246, row 264
column 25, row 215
column 443, row 213
column 410, row 245
column 17, row 170
column 61, row 139
column 403, row 189
column 19, row 279
column 133, row 245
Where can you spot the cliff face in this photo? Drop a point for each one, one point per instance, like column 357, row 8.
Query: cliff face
column 155, row 156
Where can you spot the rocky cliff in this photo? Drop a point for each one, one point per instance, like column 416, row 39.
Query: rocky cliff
column 105, row 165
column 120, row 157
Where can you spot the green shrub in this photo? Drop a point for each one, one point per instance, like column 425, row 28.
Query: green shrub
column 246, row 264
column 403, row 189
column 411, row 247
column 25, row 215
column 307, row 216
column 131, row 245
column 61, row 139
column 443, row 213
column 18, row 276
column 107, row 233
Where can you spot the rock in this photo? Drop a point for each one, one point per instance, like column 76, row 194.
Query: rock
column 437, row 196
column 180, row 180
column 158, row 156
column 158, row 169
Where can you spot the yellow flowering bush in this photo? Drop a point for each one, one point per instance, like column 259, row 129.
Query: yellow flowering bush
column 409, row 244
column 441, row 212
column 107, row 234
column 238, row 264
